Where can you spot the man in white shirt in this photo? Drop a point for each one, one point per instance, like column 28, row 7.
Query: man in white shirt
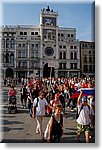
column 84, row 118
column 39, row 105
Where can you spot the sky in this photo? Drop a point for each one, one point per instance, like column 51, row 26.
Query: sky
column 79, row 15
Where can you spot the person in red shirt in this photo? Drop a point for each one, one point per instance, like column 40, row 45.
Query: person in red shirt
column 84, row 84
column 12, row 99
column 12, row 91
column 55, row 102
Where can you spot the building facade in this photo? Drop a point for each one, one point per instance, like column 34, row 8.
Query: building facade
column 87, row 51
column 45, row 50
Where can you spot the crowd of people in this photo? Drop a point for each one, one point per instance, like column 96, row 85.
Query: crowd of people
column 51, row 96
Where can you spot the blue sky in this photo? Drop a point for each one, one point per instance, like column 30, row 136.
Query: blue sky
column 71, row 15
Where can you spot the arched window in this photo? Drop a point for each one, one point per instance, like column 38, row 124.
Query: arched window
column 12, row 43
column 85, row 59
column 71, row 55
column 75, row 55
column 12, row 58
column 3, row 43
column 60, row 55
column 7, row 57
column 64, row 55
column 49, row 35
column 7, row 43
column 90, row 59
column 2, row 58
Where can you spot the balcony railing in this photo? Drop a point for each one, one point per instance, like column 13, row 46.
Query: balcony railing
column 7, row 64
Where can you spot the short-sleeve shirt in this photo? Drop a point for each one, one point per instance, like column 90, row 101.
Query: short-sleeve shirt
column 40, row 109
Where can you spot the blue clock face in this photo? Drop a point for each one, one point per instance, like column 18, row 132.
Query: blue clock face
column 49, row 51
column 49, row 21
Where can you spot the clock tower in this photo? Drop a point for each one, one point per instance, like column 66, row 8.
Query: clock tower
column 49, row 41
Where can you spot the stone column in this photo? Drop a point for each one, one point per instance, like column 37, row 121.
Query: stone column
column 67, row 73
column 56, row 73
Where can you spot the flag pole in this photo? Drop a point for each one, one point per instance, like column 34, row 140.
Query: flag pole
column 50, row 75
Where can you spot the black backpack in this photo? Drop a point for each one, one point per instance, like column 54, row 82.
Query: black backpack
column 77, row 114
